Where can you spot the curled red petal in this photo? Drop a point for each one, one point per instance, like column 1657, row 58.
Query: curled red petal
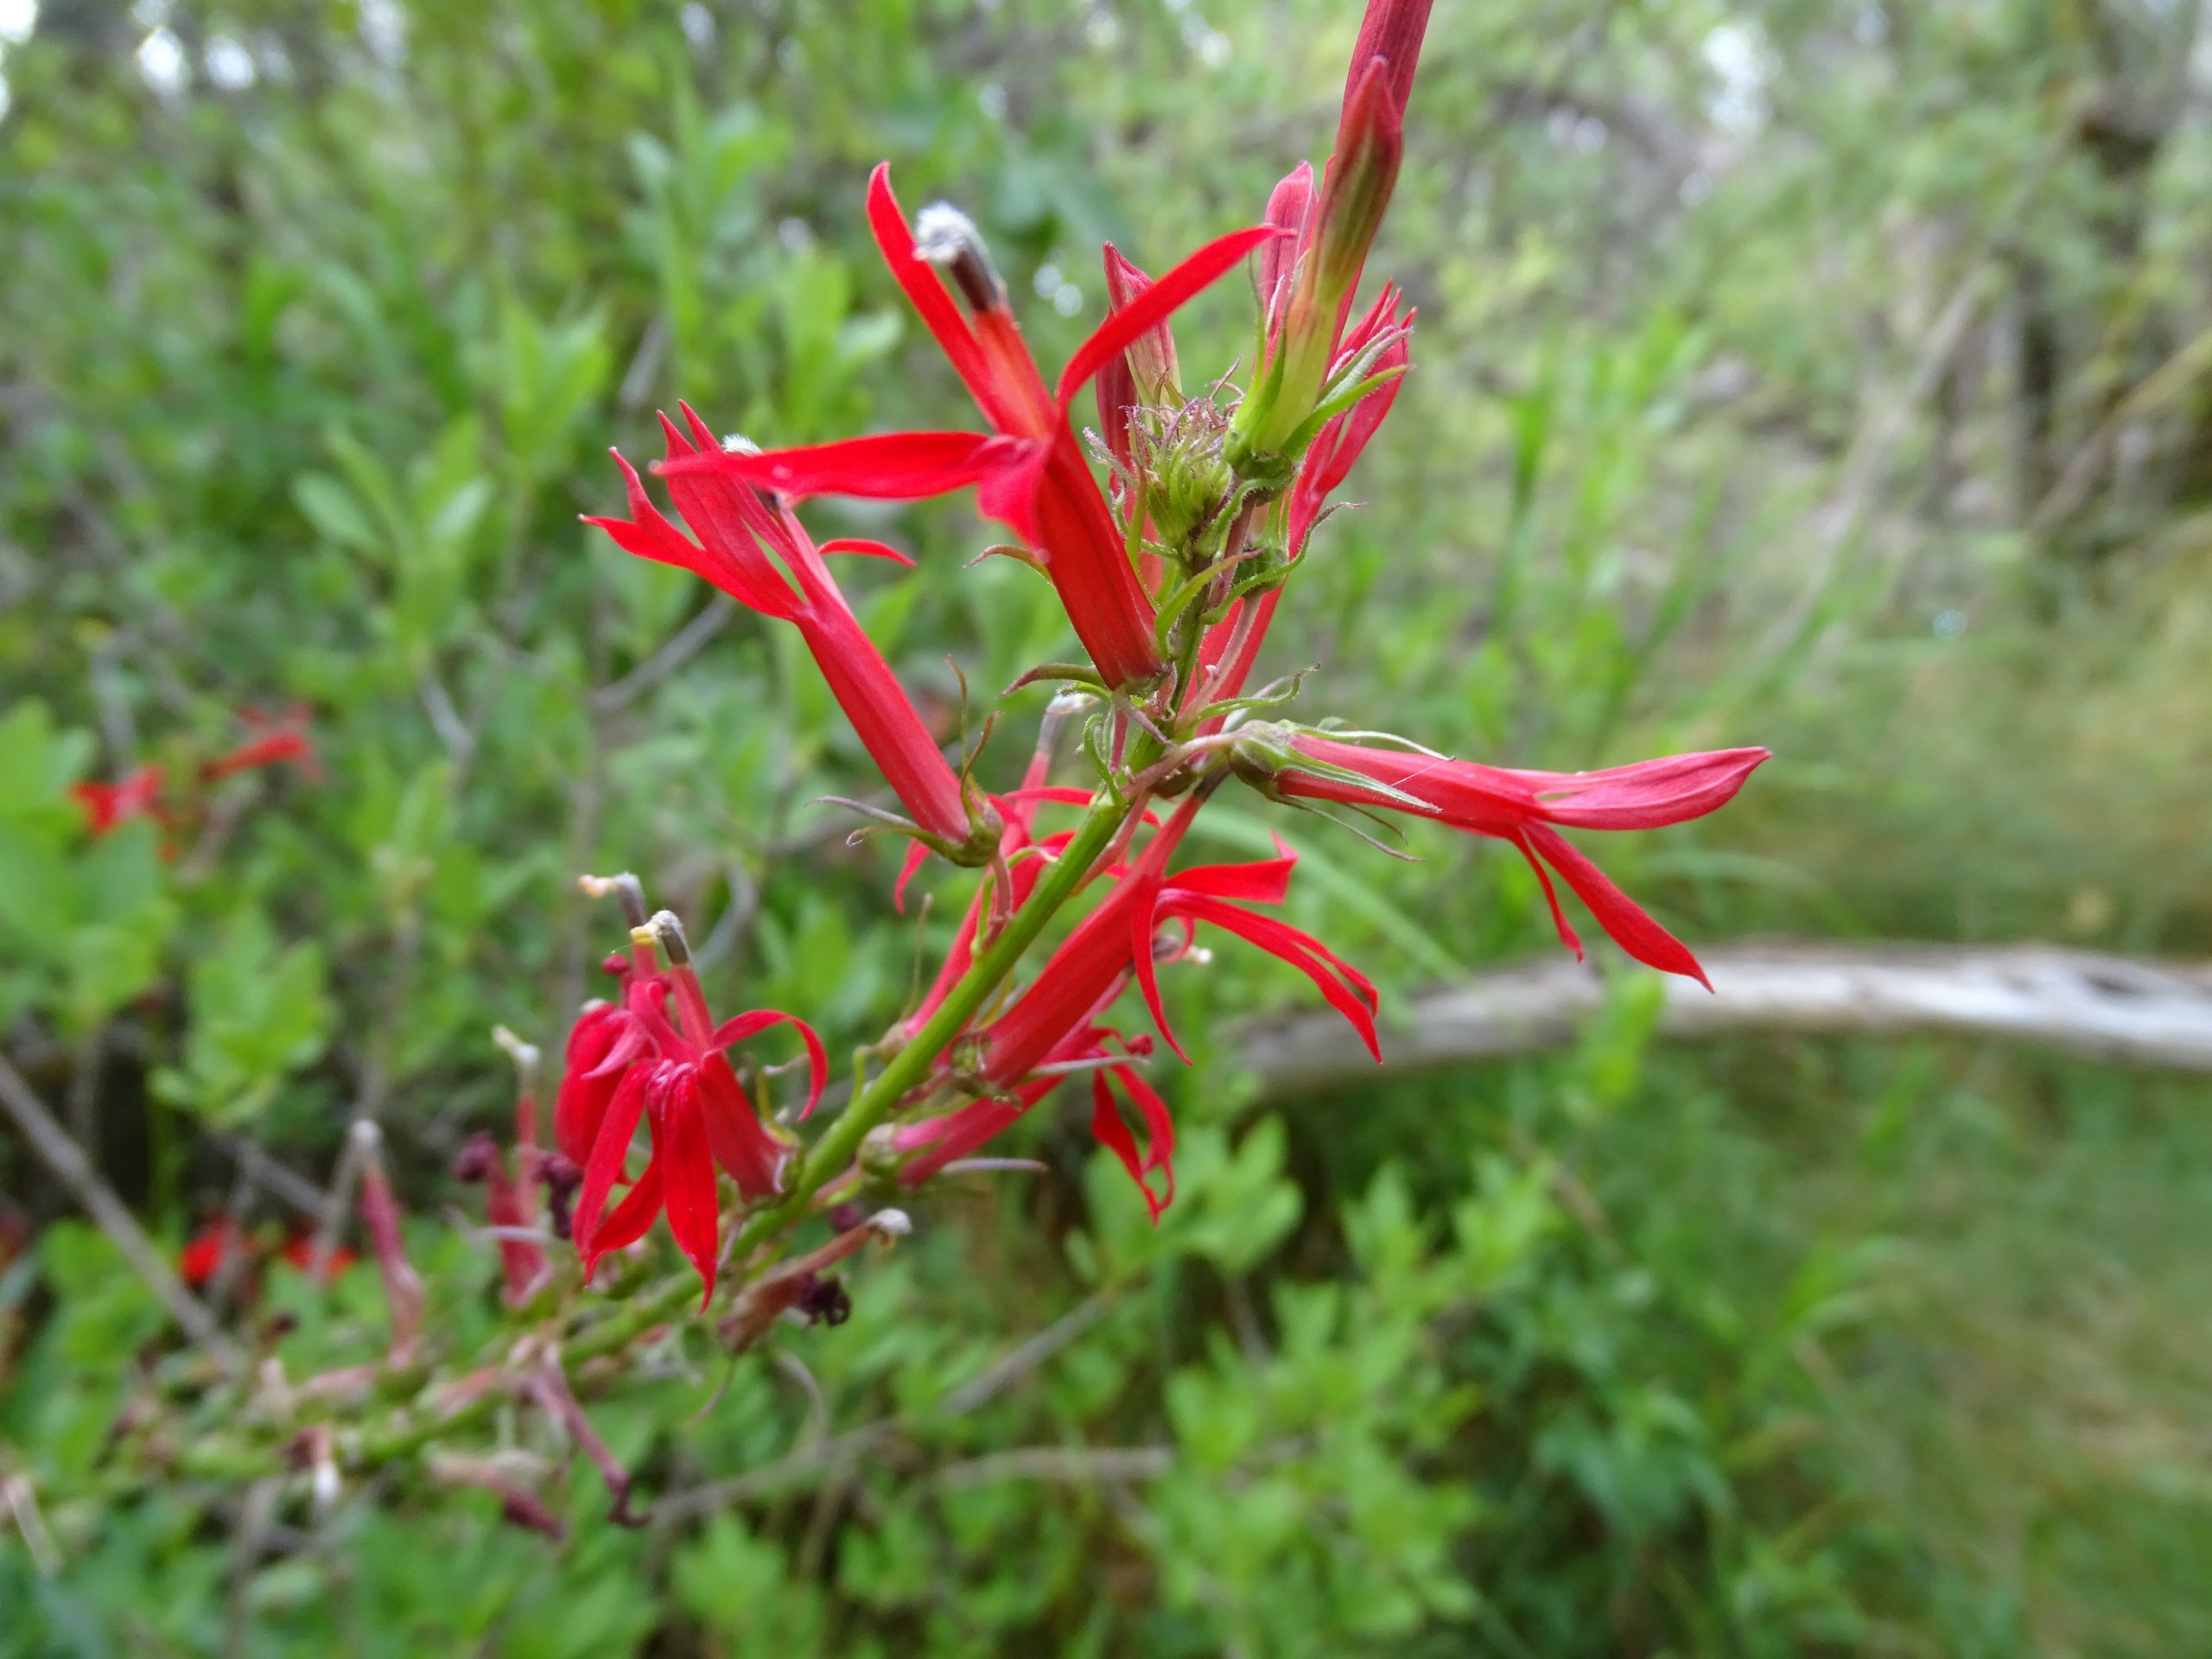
column 1629, row 926
column 737, row 1028
column 1144, row 894
column 1343, row 987
column 867, row 550
column 1148, row 310
column 917, row 855
column 1111, row 1133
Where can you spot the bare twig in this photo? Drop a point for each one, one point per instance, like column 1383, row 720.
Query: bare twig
column 2104, row 1007
column 286, row 1183
column 683, row 646
column 67, row 1160
column 845, row 1450
column 1067, row 1465
column 996, row 1379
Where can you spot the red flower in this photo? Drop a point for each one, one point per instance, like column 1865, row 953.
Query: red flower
column 1030, row 470
column 1112, row 1060
column 299, row 1252
column 221, row 1237
column 738, row 532
column 1118, row 937
column 278, row 739
column 1522, row 806
column 109, row 806
column 632, row 1061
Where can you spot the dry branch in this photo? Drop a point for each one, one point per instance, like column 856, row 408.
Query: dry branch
column 44, row 1135
column 2103, row 1007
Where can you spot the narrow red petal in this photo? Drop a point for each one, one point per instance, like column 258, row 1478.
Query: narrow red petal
column 1621, row 917
column 688, row 1179
column 867, row 550
column 1145, row 892
column 1266, row 882
column 1156, row 304
column 939, row 312
column 883, row 466
column 1106, row 1126
column 609, row 1151
column 625, row 1223
column 1345, row 990
column 917, row 855
column 737, row 1029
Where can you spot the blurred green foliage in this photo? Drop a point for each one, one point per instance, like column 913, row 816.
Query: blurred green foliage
column 1827, row 377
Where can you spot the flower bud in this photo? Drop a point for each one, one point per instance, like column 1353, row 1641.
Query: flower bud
column 1391, row 31
column 1151, row 356
column 1370, row 143
column 1290, row 208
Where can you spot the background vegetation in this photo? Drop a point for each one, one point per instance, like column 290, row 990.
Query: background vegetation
column 1832, row 377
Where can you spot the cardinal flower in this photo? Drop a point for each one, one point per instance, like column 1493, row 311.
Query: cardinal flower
column 1029, row 469
column 1119, row 938
column 108, row 807
column 1522, row 807
column 276, row 740
column 631, row 1061
column 1054, row 1028
column 756, row 551
column 1113, row 1062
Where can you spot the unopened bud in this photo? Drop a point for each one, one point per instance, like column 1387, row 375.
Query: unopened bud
column 1151, row 355
column 1289, row 208
column 1371, row 144
column 947, row 238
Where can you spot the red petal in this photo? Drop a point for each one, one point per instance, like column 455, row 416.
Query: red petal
column 1618, row 914
column 886, row 465
column 1264, row 882
column 1344, row 987
column 687, row 1178
column 1567, row 936
column 626, row 1223
column 1156, row 304
column 939, row 312
column 1159, row 1126
column 604, row 1042
column 743, row 1025
column 609, row 1151
column 1672, row 789
column 917, row 855
column 1144, row 895
column 865, row 549
column 1112, row 1133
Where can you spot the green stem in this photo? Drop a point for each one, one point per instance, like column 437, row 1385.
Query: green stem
column 911, row 1065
